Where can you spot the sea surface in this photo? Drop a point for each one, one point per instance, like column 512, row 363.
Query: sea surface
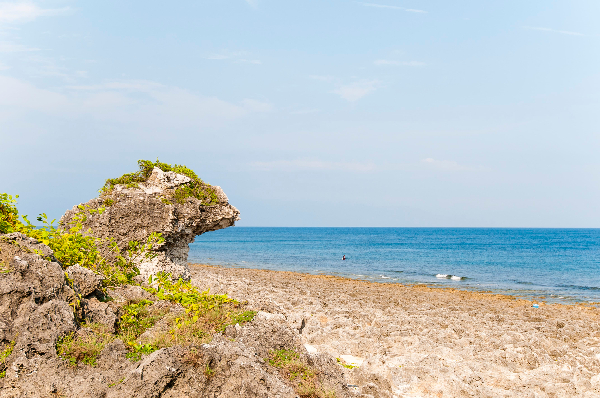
column 555, row 265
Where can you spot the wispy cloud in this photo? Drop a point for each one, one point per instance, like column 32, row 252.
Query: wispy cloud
column 448, row 165
column 252, row 3
column 564, row 32
column 25, row 11
column 355, row 91
column 238, row 57
column 311, row 165
column 380, row 62
column 375, row 5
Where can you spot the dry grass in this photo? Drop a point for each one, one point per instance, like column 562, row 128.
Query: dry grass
column 304, row 379
column 84, row 347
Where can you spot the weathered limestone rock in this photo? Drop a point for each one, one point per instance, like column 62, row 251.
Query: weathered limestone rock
column 128, row 292
column 34, row 309
column 99, row 312
column 33, row 282
column 132, row 214
column 85, row 281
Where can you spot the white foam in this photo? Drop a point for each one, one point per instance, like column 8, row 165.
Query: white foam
column 456, row 278
column 384, row 277
column 442, row 276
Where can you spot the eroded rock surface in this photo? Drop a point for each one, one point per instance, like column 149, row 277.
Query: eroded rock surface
column 37, row 309
column 415, row 341
column 132, row 214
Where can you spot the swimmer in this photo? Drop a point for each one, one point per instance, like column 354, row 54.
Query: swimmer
column 344, row 257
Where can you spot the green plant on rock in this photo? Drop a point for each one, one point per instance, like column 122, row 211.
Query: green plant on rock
column 137, row 350
column 5, row 353
column 84, row 348
column 196, row 188
column 136, row 318
column 71, row 246
column 9, row 215
column 204, row 315
column 304, row 379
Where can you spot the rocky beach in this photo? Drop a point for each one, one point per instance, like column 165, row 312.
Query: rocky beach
column 107, row 306
column 417, row 341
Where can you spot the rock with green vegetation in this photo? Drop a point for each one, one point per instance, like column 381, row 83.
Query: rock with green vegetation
column 159, row 198
column 66, row 331
column 31, row 281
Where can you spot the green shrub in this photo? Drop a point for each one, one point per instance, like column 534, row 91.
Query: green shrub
column 136, row 318
column 9, row 215
column 205, row 313
column 196, row 188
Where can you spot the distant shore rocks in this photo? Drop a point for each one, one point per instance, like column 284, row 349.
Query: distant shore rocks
column 133, row 212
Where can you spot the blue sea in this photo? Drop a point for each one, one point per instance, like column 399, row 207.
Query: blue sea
column 556, row 265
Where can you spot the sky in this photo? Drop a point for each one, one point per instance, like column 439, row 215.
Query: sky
column 383, row 113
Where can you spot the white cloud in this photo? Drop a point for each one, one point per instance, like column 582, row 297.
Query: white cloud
column 25, row 11
column 311, row 165
column 448, row 165
column 257, row 106
column 252, row 3
column 355, row 91
column 380, row 62
column 375, row 5
column 564, row 32
column 140, row 105
column 19, row 95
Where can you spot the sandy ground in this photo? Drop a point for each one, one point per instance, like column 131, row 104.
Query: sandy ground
column 418, row 341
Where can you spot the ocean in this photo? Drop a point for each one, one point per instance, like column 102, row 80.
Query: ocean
column 553, row 265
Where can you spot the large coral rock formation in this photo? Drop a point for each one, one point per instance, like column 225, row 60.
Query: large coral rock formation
column 35, row 313
column 133, row 214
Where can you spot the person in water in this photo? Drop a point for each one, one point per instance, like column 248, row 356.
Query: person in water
column 344, row 257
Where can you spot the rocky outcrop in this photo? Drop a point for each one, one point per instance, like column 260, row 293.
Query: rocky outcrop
column 133, row 214
column 32, row 286
column 37, row 308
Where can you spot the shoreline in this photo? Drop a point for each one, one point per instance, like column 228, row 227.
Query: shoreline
column 417, row 340
column 519, row 294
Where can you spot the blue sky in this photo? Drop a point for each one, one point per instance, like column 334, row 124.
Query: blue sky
column 312, row 113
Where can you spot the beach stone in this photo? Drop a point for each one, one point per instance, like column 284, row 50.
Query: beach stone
column 133, row 214
column 85, row 281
